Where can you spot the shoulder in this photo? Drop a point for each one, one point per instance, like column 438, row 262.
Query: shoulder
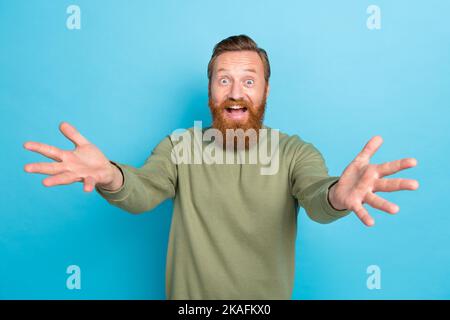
column 289, row 143
column 294, row 149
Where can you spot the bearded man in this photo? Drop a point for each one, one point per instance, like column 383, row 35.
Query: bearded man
column 233, row 229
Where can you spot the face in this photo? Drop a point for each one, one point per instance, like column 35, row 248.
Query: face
column 238, row 91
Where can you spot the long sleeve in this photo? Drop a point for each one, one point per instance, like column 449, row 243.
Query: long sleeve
column 145, row 187
column 310, row 183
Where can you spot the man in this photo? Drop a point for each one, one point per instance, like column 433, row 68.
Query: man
column 233, row 230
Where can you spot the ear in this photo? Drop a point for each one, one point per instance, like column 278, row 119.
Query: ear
column 267, row 90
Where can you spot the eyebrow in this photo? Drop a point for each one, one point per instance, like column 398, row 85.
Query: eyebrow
column 250, row 70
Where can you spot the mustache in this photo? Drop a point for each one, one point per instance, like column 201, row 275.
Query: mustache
column 233, row 102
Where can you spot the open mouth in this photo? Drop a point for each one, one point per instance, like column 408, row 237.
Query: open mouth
column 236, row 109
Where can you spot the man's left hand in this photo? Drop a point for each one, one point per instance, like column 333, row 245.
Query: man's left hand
column 360, row 180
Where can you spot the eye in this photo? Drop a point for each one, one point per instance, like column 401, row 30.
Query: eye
column 249, row 82
column 224, row 81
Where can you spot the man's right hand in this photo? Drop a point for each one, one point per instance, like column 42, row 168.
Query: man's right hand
column 86, row 163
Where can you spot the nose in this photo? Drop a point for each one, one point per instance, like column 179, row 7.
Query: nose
column 236, row 92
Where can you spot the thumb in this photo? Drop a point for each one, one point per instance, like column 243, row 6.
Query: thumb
column 89, row 184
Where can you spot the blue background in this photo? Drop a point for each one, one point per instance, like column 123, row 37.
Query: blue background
column 136, row 71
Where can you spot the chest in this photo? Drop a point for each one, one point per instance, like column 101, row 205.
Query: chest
column 235, row 186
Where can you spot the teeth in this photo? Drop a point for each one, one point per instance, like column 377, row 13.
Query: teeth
column 236, row 107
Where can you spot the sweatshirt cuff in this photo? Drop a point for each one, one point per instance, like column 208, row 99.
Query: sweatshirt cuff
column 326, row 205
column 123, row 192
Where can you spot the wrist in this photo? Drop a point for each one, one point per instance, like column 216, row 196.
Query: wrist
column 115, row 180
column 331, row 197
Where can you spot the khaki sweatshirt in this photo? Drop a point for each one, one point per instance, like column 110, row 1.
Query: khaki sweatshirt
column 233, row 228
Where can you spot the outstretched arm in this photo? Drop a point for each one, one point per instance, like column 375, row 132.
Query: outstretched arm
column 133, row 189
column 86, row 163
column 360, row 180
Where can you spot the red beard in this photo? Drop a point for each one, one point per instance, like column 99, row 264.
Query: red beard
column 222, row 122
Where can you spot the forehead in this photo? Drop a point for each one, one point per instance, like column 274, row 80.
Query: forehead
column 239, row 61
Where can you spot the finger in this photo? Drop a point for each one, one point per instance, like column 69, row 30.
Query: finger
column 369, row 149
column 364, row 216
column 72, row 134
column 89, row 184
column 389, row 185
column 59, row 179
column 392, row 167
column 44, row 149
column 49, row 168
column 379, row 203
